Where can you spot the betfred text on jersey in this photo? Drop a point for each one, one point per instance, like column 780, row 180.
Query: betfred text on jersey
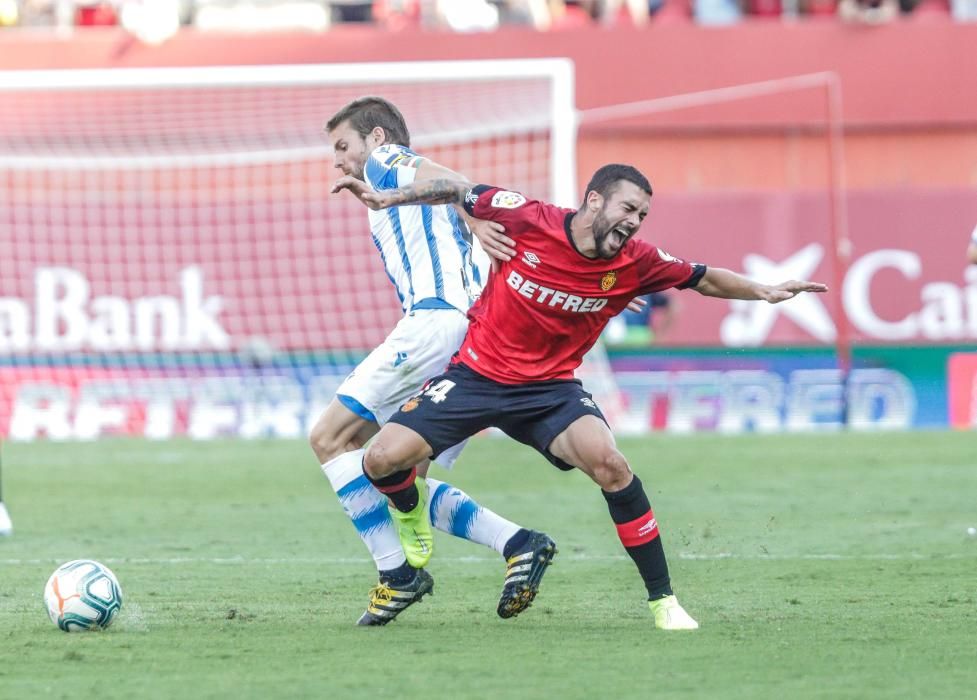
column 554, row 297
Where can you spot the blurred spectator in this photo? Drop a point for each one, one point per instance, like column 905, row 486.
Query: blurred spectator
column 671, row 11
column 717, row 12
column 397, row 14
column 571, row 14
column 972, row 248
column 260, row 15
column 819, row 8
column 351, row 10
column 636, row 329
column 44, row 13
column 96, row 14
column 868, row 11
column 151, row 21
column 964, row 10
column 9, row 13
column 638, row 11
column 468, row 15
column 540, row 14
column 922, row 8
column 765, row 8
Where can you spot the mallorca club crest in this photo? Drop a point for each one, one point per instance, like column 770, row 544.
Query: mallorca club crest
column 608, row 281
column 411, row 404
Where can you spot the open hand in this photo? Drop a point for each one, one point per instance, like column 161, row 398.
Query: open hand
column 362, row 191
column 637, row 304
column 491, row 235
column 353, row 184
column 789, row 290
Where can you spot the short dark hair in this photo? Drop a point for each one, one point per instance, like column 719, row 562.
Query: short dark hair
column 366, row 113
column 606, row 178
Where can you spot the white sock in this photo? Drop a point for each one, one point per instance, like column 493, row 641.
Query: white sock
column 367, row 508
column 453, row 511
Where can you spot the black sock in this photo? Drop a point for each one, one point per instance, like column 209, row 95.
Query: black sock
column 399, row 487
column 638, row 530
column 515, row 542
column 404, row 573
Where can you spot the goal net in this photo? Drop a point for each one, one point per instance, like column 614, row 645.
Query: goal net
column 173, row 260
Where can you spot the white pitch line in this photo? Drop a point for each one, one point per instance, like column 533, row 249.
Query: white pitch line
column 690, row 556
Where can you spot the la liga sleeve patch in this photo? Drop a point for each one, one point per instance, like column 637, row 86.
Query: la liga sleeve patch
column 503, row 199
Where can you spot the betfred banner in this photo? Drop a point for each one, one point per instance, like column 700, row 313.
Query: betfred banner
column 675, row 392
column 86, row 403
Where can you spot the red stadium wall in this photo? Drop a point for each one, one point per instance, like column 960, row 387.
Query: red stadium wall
column 903, row 73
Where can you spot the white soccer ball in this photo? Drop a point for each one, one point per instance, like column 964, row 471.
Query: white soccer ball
column 82, row 595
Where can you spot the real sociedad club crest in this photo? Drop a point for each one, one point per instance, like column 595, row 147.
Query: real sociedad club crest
column 608, row 281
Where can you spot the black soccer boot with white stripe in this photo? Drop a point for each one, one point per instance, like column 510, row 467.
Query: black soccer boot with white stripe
column 524, row 571
column 387, row 601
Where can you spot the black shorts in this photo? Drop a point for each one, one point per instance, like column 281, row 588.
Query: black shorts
column 460, row 403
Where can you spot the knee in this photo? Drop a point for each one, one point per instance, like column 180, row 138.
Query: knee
column 380, row 461
column 611, row 471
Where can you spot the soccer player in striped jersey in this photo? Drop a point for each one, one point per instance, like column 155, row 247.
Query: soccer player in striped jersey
column 437, row 271
column 572, row 270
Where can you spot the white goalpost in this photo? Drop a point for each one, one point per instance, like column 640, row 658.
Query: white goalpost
column 174, row 262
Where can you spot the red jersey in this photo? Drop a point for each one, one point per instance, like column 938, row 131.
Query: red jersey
column 546, row 307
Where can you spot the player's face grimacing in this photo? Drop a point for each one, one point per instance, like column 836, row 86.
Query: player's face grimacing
column 619, row 218
column 351, row 150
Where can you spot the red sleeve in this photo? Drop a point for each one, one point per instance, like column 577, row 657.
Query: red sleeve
column 510, row 209
column 657, row 270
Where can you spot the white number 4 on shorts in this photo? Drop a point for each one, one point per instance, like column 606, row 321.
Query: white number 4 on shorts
column 439, row 392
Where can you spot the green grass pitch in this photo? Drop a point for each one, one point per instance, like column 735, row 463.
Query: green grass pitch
column 828, row 566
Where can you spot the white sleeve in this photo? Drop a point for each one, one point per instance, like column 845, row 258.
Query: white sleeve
column 391, row 166
column 973, row 236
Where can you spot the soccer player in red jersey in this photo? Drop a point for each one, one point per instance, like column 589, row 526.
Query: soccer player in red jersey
column 567, row 274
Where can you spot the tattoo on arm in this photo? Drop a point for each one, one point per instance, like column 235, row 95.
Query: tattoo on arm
column 437, row 191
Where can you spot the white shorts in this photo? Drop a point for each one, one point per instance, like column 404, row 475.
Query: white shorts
column 418, row 348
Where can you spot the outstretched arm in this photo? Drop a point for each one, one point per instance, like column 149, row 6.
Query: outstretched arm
column 437, row 191
column 491, row 234
column 725, row 284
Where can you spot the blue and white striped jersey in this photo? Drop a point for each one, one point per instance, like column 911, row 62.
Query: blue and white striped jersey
column 428, row 252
